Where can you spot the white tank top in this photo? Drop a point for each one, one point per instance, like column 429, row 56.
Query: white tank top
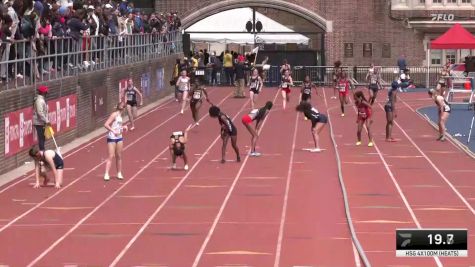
column 116, row 126
column 183, row 83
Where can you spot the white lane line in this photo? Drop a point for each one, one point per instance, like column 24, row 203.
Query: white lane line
column 226, row 199
column 59, row 240
column 283, row 216
column 85, row 174
column 165, row 201
column 83, row 146
column 398, row 188
column 459, row 195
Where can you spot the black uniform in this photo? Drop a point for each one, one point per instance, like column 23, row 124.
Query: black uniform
column 315, row 116
column 227, row 126
column 57, row 160
column 178, row 147
column 306, row 91
column 388, row 107
column 255, row 86
column 196, row 96
column 131, row 96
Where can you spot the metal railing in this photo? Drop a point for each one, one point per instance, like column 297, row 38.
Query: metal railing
column 29, row 62
column 323, row 75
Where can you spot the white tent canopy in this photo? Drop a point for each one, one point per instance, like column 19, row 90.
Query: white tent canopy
column 234, row 20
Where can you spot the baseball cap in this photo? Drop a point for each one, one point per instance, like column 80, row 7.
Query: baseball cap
column 90, row 7
column 43, row 89
column 108, row 6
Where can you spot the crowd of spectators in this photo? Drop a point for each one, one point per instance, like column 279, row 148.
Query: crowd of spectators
column 228, row 61
column 38, row 22
column 229, row 68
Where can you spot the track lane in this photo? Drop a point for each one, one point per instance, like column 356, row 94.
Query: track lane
column 250, row 211
column 187, row 217
column 83, row 196
column 376, row 202
column 316, row 226
column 21, row 200
column 142, row 202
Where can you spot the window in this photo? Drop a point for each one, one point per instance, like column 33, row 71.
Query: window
column 422, row 2
column 466, row 1
column 464, row 53
column 367, row 50
column 451, row 1
column 436, row 57
column 450, row 56
column 437, row 1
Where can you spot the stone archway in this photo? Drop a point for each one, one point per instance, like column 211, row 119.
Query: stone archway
column 224, row 5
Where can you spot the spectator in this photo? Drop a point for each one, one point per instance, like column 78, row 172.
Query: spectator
column 401, row 62
column 240, row 74
column 76, row 29
column 146, row 24
column 138, row 23
column 8, row 36
column 216, row 68
column 155, row 23
column 206, row 57
column 228, row 67
column 40, row 26
column 40, row 115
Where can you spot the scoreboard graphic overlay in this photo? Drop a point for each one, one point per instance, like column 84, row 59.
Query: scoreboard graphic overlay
column 431, row 243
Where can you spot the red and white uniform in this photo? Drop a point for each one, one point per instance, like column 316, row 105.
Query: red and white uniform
column 364, row 112
column 285, row 84
column 343, row 87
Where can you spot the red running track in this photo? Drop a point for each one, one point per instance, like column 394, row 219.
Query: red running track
column 282, row 209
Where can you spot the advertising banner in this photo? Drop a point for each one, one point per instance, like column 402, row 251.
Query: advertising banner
column 19, row 129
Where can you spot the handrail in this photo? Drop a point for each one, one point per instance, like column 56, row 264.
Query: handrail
column 57, row 58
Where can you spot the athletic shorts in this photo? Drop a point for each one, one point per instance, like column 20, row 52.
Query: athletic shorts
column 58, row 162
column 373, row 87
column 306, row 97
column 364, row 117
column 286, row 90
column 388, row 107
column 193, row 102
column 254, row 90
column 225, row 132
column 132, row 103
column 322, row 118
column 345, row 93
column 109, row 140
column 246, row 119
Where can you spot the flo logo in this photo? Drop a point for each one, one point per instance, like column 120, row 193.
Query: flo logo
column 407, row 239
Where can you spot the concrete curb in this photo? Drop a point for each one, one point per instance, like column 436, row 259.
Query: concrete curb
column 20, row 172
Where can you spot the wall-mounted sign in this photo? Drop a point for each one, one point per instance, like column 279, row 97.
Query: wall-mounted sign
column 442, row 17
column 367, row 50
column 386, row 50
column 348, row 50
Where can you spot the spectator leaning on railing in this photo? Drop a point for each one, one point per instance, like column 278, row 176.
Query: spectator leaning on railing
column 35, row 29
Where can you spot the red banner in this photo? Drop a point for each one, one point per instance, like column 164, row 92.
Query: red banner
column 19, row 129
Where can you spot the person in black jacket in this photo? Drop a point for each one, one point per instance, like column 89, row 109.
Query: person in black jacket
column 240, row 69
column 76, row 27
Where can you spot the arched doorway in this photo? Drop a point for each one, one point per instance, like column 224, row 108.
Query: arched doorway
column 292, row 8
column 319, row 25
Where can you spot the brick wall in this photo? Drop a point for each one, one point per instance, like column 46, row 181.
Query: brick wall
column 84, row 86
column 354, row 21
